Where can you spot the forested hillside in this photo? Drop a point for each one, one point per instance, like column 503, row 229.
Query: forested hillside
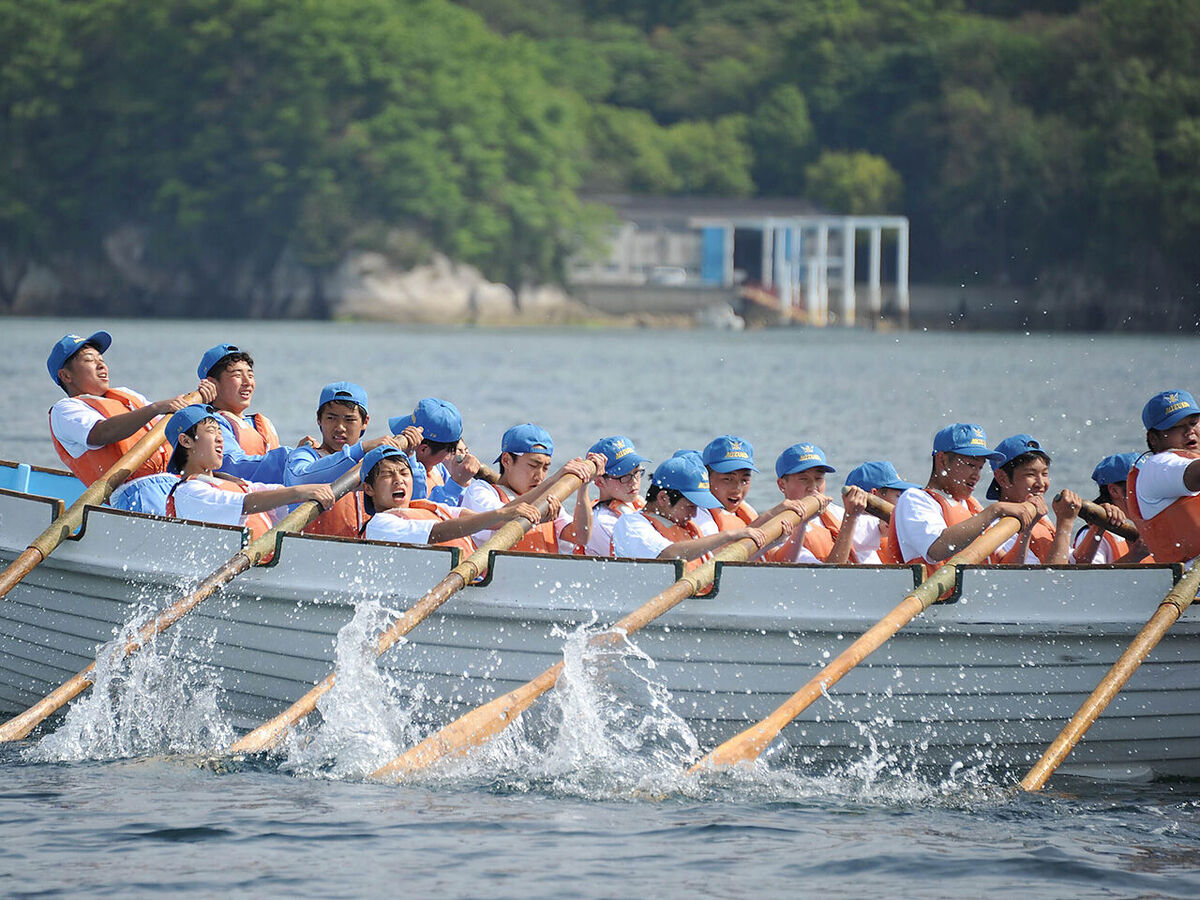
column 1025, row 141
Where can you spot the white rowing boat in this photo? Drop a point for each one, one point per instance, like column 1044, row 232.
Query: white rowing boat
column 992, row 675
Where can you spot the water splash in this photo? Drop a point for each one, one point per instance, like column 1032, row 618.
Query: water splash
column 365, row 719
column 157, row 700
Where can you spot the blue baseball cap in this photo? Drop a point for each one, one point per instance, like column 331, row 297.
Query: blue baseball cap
column 69, row 346
column 964, row 439
column 527, row 438
column 1008, row 450
column 1168, row 408
column 877, row 474
column 439, row 420
column 182, row 421
column 378, row 455
column 693, row 455
column 343, row 392
column 214, row 355
column 622, row 457
column 683, row 475
column 729, row 453
column 801, row 458
column 1114, row 469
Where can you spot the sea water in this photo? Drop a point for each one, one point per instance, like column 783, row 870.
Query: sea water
column 127, row 796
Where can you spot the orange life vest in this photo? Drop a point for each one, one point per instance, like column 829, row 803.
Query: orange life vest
column 427, row 510
column 255, row 437
column 258, row 523
column 952, row 513
column 674, row 532
column 1174, row 534
column 1117, row 545
column 1039, row 544
column 728, row 521
column 345, row 518
column 538, row 539
column 93, row 464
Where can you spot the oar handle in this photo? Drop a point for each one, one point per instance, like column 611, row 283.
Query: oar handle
column 488, row 474
column 94, row 495
column 1093, row 514
column 879, row 508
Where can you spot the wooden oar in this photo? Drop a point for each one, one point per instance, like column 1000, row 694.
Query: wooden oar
column 747, row 745
column 95, row 495
column 485, row 722
column 1177, row 600
column 1093, row 514
column 255, row 553
column 879, row 508
column 269, row 733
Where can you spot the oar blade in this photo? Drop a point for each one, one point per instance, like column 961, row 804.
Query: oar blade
column 474, row 729
column 750, row 743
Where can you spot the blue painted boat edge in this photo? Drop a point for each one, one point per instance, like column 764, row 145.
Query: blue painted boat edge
column 41, row 482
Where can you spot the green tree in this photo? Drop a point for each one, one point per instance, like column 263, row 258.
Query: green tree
column 855, row 183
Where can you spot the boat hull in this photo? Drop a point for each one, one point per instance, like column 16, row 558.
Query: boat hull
column 990, row 677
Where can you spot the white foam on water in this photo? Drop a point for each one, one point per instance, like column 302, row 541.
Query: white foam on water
column 607, row 731
column 363, row 719
column 156, row 700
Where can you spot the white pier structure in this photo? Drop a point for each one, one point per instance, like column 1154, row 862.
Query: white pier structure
column 806, row 258
column 701, row 247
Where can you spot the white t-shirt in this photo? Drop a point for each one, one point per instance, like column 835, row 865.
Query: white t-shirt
column 480, row 496
column 604, row 519
column 388, row 526
column 200, row 499
column 919, row 522
column 704, row 520
column 634, row 537
column 1160, row 482
column 72, row 420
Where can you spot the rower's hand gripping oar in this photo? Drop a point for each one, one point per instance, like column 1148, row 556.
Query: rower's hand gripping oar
column 95, row 495
column 1177, row 600
column 1093, row 514
column 747, row 745
column 269, row 733
column 255, row 553
column 485, row 722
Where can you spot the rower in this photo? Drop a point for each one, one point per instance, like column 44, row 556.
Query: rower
column 880, row 478
column 524, row 460
column 397, row 516
column 252, row 447
column 441, row 464
column 930, row 524
column 800, row 472
column 95, row 424
column 342, row 417
column 1095, row 545
column 620, row 487
column 665, row 528
column 1020, row 474
column 730, row 463
column 1164, row 485
column 197, row 438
